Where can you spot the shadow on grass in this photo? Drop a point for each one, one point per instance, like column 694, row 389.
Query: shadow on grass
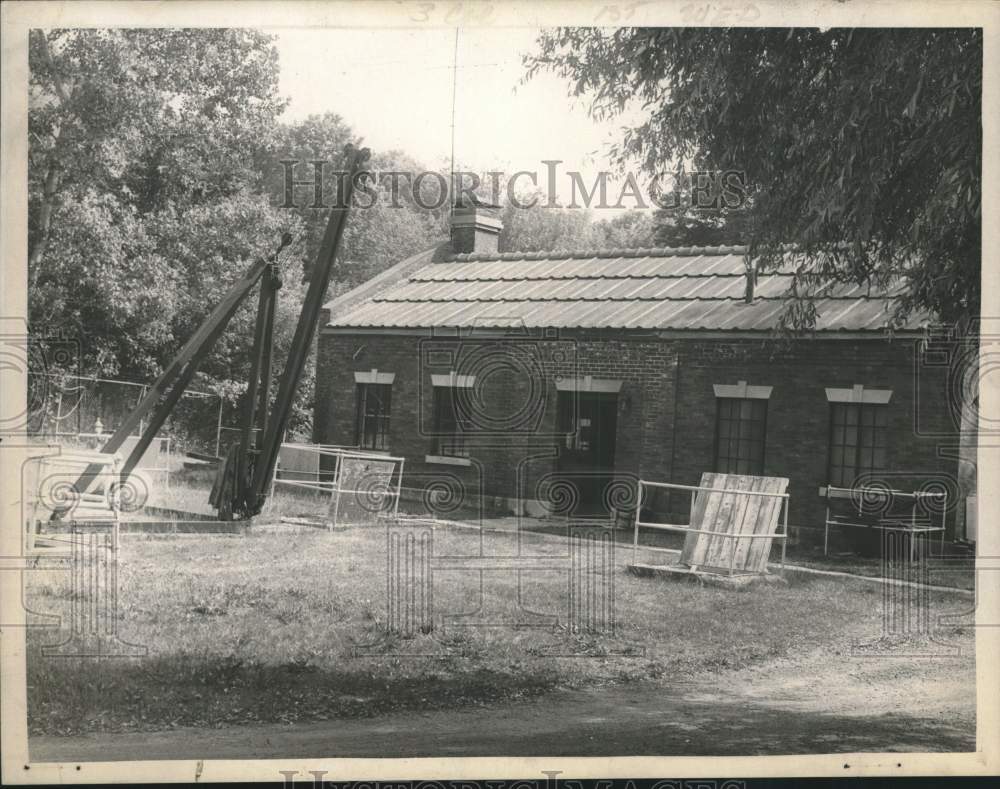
column 68, row 698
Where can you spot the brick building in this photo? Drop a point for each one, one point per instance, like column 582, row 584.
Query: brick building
column 550, row 382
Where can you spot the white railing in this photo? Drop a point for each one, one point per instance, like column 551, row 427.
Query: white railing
column 688, row 529
column 314, row 474
column 50, row 493
column 858, row 495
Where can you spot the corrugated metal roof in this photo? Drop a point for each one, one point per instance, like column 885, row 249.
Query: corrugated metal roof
column 636, row 289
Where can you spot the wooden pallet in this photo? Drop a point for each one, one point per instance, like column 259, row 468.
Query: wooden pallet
column 726, row 509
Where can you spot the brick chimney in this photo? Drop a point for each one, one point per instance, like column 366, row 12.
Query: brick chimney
column 751, row 275
column 475, row 226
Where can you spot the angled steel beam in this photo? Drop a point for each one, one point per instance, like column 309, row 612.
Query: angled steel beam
column 305, row 330
column 174, row 379
column 258, row 394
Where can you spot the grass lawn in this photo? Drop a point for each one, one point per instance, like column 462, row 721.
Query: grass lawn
column 953, row 571
column 957, row 571
column 289, row 624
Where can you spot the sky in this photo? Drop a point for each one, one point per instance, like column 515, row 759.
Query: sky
column 394, row 88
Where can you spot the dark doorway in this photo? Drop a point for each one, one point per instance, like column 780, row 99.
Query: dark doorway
column 587, row 426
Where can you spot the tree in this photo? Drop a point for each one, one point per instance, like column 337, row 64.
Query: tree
column 529, row 225
column 692, row 227
column 381, row 231
column 145, row 198
column 538, row 228
column 150, row 116
column 630, row 230
column 863, row 146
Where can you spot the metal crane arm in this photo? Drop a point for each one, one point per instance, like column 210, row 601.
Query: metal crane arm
column 246, row 472
column 174, row 380
column 319, row 281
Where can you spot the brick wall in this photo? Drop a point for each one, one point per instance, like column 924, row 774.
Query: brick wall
column 920, row 425
column 515, row 448
column 666, row 407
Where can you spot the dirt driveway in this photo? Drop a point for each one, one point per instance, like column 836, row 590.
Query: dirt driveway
column 823, row 704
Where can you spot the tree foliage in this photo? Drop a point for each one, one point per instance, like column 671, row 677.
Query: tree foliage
column 154, row 181
column 385, row 229
column 863, row 146
column 539, row 228
column 146, row 200
column 529, row 225
column 627, row 231
column 687, row 227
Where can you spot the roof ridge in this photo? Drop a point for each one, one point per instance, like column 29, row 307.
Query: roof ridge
column 737, row 299
column 586, row 254
column 604, row 276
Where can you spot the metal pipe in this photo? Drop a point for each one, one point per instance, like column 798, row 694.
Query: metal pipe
column 826, row 529
column 671, row 527
column 399, row 486
column 299, row 483
column 944, row 522
column 335, row 491
column 218, row 429
column 920, row 494
column 784, row 539
column 330, row 449
column 635, row 535
column 714, row 490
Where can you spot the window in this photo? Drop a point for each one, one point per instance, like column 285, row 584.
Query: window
column 740, row 426
column 449, row 430
column 858, row 434
column 373, row 405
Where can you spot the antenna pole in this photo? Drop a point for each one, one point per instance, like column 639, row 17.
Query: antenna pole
column 454, row 91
